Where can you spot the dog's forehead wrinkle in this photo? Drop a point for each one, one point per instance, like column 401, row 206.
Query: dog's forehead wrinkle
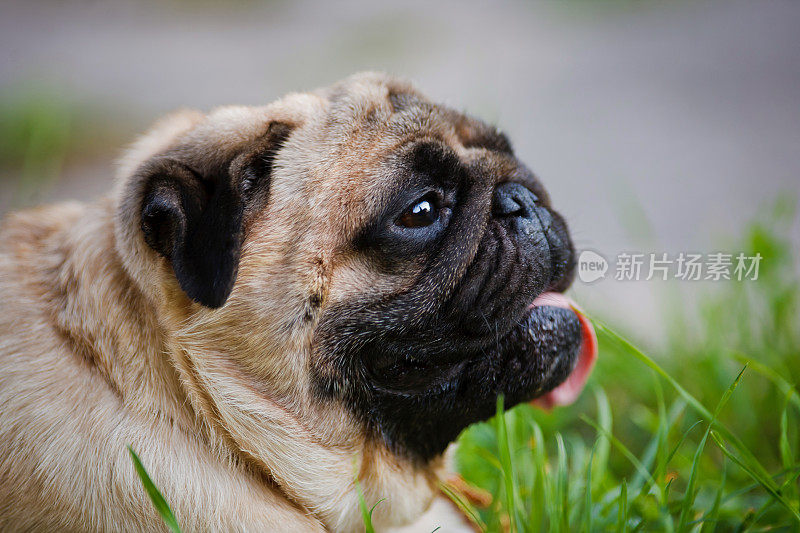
column 424, row 120
column 359, row 111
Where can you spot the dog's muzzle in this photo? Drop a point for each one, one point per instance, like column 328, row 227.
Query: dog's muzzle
column 554, row 328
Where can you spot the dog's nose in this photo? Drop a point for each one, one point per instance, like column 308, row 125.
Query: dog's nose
column 513, row 200
column 537, row 229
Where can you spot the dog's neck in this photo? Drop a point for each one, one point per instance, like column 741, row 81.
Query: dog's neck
column 92, row 297
column 314, row 452
column 160, row 364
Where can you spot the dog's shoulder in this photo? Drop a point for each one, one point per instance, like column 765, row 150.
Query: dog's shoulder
column 31, row 249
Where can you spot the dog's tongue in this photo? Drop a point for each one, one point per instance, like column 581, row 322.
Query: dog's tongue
column 568, row 392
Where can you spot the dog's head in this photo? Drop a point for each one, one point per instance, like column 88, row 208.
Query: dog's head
column 359, row 247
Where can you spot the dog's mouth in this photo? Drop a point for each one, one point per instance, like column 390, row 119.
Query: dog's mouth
column 548, row 357
column 555, row 324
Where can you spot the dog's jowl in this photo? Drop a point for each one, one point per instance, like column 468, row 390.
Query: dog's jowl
column 274, row 302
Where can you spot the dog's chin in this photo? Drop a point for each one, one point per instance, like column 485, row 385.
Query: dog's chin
column 556, row 330
column 541, row 352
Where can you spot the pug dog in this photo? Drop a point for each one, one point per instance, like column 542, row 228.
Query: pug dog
column 280, row 309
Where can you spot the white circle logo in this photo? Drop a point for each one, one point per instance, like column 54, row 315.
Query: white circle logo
column 591, row 266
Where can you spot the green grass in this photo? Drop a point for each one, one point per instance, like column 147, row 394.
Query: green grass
column 698, row 434
column 642, row 450
column 157, row 499
column 35, row 135
column 45, row 130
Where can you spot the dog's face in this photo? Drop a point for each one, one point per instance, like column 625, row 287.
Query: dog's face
column 365, row 247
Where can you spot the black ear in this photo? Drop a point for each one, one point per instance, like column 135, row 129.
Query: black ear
column 194, row 221
column 192, row 214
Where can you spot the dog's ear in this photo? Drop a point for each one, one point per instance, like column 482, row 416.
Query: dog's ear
column 192, row 211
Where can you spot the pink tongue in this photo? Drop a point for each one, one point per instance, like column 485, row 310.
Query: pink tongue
column 568, row 392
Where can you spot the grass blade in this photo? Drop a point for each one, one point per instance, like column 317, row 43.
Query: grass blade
column 662, row 433
column 710, row 520
column 622, row 517
column 768, row 484
column 687, row 504
column 562, row 485
column 366, row 512
column 683, row 438
column 506, row 463
column 463, row 505
column 587, row 520
column 159, row 502
column 542, row 497
column 787, row 457
column 688, row 499
column 602, row 445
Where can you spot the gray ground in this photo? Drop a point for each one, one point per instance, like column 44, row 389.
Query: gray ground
column 687, row 112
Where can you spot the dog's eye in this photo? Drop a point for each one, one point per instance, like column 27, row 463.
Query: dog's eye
column 423, row 212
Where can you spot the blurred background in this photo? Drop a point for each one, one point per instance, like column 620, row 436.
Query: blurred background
column 656, row 126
